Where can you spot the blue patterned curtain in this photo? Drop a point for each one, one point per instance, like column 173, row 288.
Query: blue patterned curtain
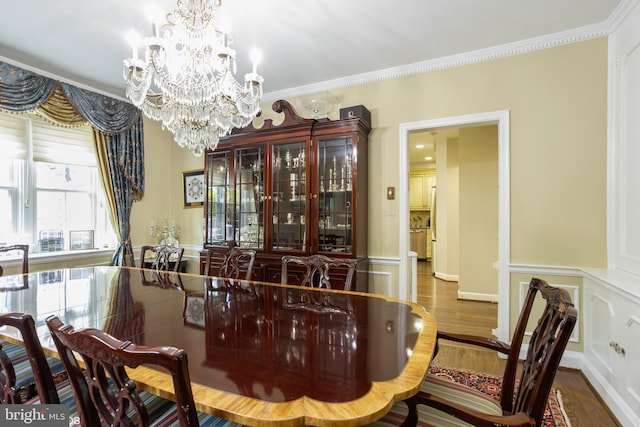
column 22, row 90
column 118, row 134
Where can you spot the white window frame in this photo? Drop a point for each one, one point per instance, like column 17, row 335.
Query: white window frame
column 24, row 197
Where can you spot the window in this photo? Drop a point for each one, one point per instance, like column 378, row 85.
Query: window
column 49, row 185
column 8, row 197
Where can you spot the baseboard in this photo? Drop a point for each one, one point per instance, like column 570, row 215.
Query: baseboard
column 447, row 277
column 478, row 297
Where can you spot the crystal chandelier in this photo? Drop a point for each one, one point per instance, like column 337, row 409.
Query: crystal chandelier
column 186, row 79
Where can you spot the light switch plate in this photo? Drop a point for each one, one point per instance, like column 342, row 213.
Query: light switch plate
column 391, row 193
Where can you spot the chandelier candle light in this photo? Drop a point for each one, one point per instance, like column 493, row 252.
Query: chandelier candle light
column 186, row 79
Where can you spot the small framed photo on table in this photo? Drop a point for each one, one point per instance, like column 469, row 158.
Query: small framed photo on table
column 193, row 188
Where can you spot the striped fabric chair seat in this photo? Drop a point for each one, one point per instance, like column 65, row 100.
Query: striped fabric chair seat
column 24, row 374
column 66, row 397
column 162, row 411
column 446, row 389
column 106, row 360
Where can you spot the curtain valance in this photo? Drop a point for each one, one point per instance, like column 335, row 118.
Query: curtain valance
column 108, row 115
column 118, row 136
column 22, row 90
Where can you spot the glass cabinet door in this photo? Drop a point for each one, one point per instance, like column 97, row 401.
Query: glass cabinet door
column 289, row 196
column 218, row 216
column 249, row 197
column 335, row 181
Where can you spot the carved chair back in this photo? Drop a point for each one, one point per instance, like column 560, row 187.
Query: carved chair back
column 161, row 279
column 25, row 256
column 165, row 258
column 232, row 263
column 536, row 287
column 44, row 385
column 546, row 347
column 317, row 270
column 106, row 394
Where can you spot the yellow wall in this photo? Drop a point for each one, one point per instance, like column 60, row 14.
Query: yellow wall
column 557, row 100
column 164, row 163
column 447, row 263
column 478, row 156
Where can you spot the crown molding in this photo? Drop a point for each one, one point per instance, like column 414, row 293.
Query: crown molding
column 511, row 49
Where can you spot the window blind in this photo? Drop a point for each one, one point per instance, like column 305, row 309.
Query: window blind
column 13, row 136
column 57, row 144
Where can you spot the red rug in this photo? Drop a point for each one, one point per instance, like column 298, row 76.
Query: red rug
column 554, row 414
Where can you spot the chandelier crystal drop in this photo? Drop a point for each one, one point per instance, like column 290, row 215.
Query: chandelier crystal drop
column 186, row 78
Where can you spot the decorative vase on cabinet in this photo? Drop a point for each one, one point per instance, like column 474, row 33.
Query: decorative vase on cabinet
column 299, row 188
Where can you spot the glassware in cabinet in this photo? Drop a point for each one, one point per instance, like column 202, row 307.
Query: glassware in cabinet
column 218, row 215
column 249, row 197
column 289, row 196
column 335, row 204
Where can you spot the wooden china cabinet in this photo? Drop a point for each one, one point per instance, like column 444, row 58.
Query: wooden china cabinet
column 298, row 188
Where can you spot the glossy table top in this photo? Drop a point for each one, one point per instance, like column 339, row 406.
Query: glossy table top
column 258, row 353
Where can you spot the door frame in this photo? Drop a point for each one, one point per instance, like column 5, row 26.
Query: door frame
column 500, row 118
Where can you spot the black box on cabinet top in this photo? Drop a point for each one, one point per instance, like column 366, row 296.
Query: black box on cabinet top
column 356, row 111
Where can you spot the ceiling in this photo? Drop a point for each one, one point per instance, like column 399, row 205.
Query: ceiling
column 422, row 146
column 422, row 149
column 304, row 42
column 308, row 46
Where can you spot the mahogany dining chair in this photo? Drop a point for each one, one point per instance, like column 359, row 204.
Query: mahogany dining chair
column 441, row 401
column 25, row 371
column 317, row 269
column 165, row 258
column 230, row 263
column 106, row 395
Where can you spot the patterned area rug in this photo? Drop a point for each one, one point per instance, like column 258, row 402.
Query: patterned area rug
column 554, row 414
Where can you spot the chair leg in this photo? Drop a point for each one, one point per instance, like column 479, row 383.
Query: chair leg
column 412, row 415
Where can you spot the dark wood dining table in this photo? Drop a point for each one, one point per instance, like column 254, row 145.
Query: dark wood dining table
column 259, row 353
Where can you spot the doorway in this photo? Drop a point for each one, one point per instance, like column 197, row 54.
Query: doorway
column 501, row 119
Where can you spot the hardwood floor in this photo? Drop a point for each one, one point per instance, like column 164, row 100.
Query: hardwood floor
column 583, row 407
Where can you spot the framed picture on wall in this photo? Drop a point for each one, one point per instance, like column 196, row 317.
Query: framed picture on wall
column 193, row 188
